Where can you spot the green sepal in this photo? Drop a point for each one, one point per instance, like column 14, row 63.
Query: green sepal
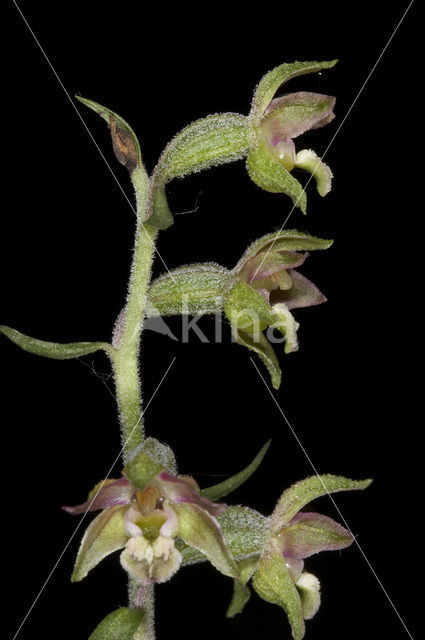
column 108, row 115
column 269, row 174
column 55, row 350
column 247, row 309
column 211, row 141
column 200, row 530
column 142, row 469
column 218, row 491
column 191, row 289
column 241, row 592
column 103, row 536
column 271, row 82
column 161, row 453
column 161, row 216
column 120, row 624
column 273, row 583
column 286, row 240
column 303, row 492
column 264, row 350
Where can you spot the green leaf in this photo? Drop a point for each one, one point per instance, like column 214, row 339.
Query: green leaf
column 142, row 470
column 161, row 453
column 211, row 141
column 269, row 174
column 126, row 147
column 191, row 289
column 271, row 82
column 273, row 583
column 264, row 350
column 55, row 350
column 222, row 489
column 103, row 536
column 303, row 492
column 241, row 593
column 120, row 624
column 245, row 530
column 200, row 530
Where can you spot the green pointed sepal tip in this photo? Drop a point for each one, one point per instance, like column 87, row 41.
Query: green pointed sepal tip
column 54, row 350
column 120, row 624
column 218, row 491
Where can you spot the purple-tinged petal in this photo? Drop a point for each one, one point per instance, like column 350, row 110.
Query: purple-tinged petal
column 309, row 533
column 178, row 490
column 264, row 264
column 293, row 114
column 101, row 497
column 303, row 293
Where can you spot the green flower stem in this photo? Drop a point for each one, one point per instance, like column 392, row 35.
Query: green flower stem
column 125, row 358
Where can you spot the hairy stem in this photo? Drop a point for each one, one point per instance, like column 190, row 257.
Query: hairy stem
column 129, row 328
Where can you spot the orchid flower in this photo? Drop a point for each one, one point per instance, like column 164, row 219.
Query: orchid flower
column 277, row 121
column 267, row 288
column 144, row 521
column 291, row 536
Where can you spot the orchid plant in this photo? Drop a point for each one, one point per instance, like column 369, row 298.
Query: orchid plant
column 157, row 518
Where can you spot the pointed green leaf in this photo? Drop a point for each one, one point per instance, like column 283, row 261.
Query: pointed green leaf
column 264, row 350
column 241, row 593
column 245, row 530
column 120, row 624
column 211, row 141
column 303, row 492
column 222, row 489
column 273, row 583
column 142, row 470
column 271, row 82
column 269, row 174
column 200, row 530
column 55, row 350
column 309, row 589
column 129, row 137
column 102, row 537
column 191, row 289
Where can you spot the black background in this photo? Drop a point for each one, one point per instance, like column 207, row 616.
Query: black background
column 350, row 393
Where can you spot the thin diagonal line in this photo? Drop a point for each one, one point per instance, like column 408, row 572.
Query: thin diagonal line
column 87, row 129
column 88, row 508
column 335, row 135
column 332, row 500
